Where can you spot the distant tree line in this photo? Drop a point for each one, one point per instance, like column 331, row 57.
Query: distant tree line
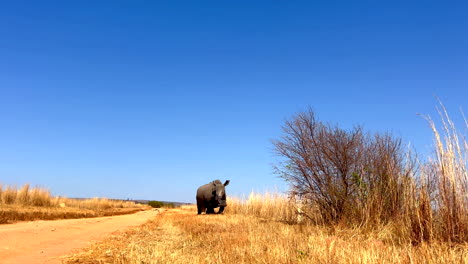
column 159, row 204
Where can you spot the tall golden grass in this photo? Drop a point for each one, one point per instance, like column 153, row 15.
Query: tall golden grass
column 437, row 197
column 25, row 196
column 450, row 177
column 270, row 205
column 28, row 203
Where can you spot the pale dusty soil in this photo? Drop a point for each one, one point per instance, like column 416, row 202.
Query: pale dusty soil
column 46, row 241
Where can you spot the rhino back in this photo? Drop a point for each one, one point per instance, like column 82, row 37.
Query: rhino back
column 205, row 192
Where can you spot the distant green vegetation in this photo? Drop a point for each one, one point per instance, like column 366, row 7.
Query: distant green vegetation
column 158, row 204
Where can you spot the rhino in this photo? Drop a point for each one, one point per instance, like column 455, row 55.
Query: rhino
column 211, row 196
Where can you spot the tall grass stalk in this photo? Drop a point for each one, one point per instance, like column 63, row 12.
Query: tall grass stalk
column 449, row 167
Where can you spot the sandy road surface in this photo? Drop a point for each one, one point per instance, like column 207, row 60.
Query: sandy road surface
column 45, row 241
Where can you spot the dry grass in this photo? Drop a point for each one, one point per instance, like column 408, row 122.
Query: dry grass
column 272, row 206
column 182, row 236
column 450, row 175
column 38, row 204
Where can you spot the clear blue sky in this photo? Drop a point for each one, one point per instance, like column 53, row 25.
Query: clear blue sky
column 149, row 99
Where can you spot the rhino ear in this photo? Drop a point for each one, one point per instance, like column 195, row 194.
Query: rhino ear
column 227, row 182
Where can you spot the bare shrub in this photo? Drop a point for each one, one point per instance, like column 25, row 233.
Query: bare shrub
column 354, row 177
column 385, row 182
column 345, row 173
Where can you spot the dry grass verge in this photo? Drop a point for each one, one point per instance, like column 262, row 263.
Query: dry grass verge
column 27, row 204
column 181, row 236
column 16, row 214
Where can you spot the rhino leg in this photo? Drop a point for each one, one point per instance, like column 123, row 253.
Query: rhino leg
column 210, row 210
column 221, row 210
column 200, row 209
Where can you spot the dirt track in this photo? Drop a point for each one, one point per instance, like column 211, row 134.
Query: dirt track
column 46, row 241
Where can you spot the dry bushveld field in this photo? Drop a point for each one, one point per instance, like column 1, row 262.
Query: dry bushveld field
column 356, row 198
column 250, row 233
column 385, row 208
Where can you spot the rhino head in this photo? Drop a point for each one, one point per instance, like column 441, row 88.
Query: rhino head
column 219, row 193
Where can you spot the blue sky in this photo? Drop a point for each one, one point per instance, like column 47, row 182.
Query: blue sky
column 149, row 99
